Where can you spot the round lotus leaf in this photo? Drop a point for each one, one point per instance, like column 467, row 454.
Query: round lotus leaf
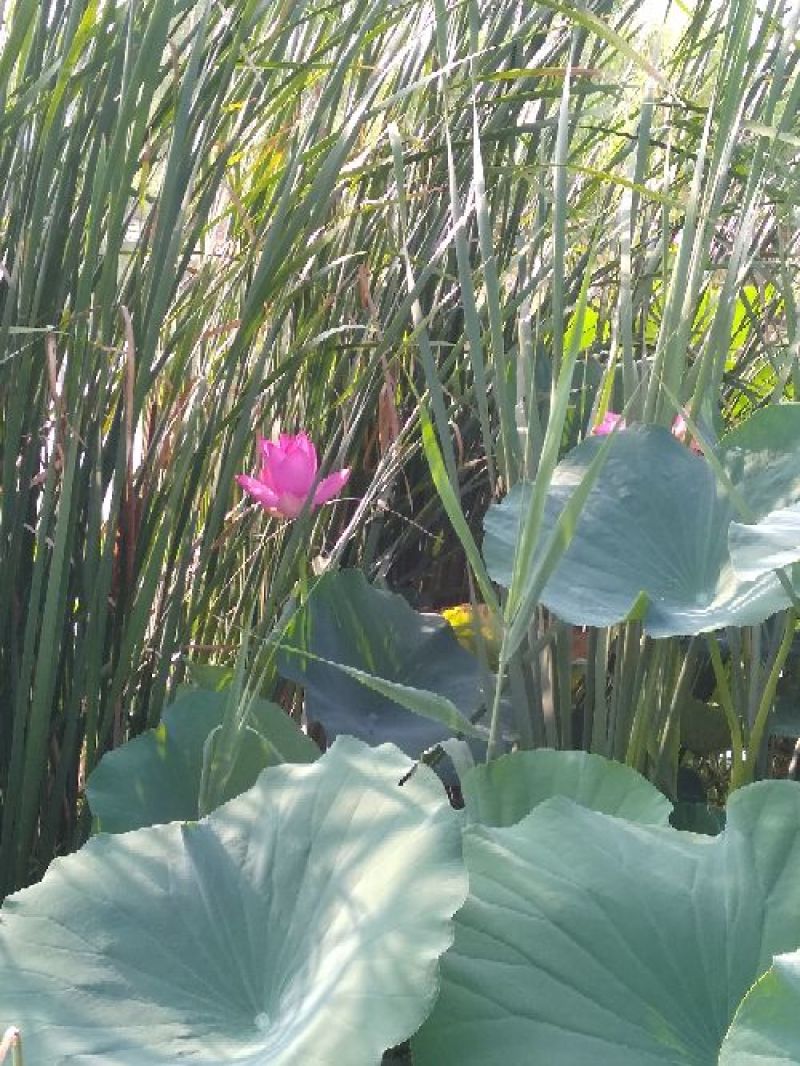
column 504, row 790
column 299, row 923
column 652, row 539
column 382, row 658
column 588, row 940
column 155, row 778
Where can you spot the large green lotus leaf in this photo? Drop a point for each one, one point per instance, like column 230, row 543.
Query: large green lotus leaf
column 652, row 538
column 155, row 778
column 503, row 791
column 587, row 940
column 349, row 622
column 761, row 547
column 299, row 923
column 766, row 1027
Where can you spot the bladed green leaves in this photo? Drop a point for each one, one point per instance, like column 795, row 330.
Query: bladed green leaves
column 299, row 923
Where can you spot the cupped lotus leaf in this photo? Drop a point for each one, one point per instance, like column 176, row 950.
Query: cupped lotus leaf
column 503, row 791
column 376, row 634
column 587, row 940
column 299, row 923
column 765, row 1029
column 155, row 778
column 652, row 538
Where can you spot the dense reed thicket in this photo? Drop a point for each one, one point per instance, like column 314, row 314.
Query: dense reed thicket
column 218, row 217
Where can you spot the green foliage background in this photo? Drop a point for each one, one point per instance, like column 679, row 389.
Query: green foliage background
column 219, row 216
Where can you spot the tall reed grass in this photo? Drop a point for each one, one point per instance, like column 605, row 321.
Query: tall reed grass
column 222, row 216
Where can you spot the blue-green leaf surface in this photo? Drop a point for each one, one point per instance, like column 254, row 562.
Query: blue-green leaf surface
column 759, row 547
column 588, row 940
column 652, row 538
column 155, row 777
column 766, row 1029
column 415, row 659
column 504, row 790
column 300, row 923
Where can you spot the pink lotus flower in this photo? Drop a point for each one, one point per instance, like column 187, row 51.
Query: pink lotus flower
column 609, row 423
column 680, row 430
column 288, row 471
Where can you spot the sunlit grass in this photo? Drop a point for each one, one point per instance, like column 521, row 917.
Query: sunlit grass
column 218, row 218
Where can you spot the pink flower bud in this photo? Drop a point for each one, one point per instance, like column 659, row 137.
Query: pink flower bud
column 609, row 423
column 288, row 471
column 680, row 430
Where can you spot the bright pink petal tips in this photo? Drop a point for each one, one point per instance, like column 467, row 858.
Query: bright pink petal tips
column 260, row 492
column 679, row 427
column 331, row 486
column 608, row 424
column 288, row 471
column 680, row 430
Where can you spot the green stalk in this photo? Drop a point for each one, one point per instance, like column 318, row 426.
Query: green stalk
column 597, row 710
column 562, row 671
column 684, row 678
column 646, row 706
column 493, row 745
column 727, row 702
column 743, row 771
column 633, row 654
